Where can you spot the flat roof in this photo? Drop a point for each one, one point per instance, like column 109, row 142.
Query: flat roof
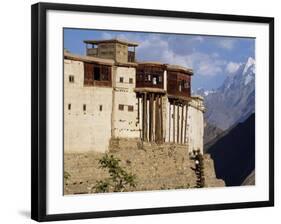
column 169, row 67
column 116, row 40
column 77, row 57
column 179, row 68
column 151, row 63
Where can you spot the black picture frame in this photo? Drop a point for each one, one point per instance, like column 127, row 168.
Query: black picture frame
column 39, row 108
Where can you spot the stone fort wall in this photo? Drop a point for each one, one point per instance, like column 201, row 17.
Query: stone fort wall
column 156, row 167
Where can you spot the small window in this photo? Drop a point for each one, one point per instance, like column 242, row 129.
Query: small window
column 130, row 80
column 180, row 87
column 186, row 85
column 121, row 107
column 154, row 81
column 97, row 75
column 160, row 79
column 100, row 107
column 130, row 108
column 69, row 106
column 84, row 107
column 121, row 79
column 149, row 77
column 71, row 78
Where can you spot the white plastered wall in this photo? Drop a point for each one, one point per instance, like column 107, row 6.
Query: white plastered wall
column 125, row 122
column 195, row 128
column 88, row 130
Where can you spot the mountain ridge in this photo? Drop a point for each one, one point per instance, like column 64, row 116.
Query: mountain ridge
column 234, row 100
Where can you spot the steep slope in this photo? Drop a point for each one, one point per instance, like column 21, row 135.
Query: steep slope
column 233, row 152
column 250, row 180
column 210, row 132
column 234, row 101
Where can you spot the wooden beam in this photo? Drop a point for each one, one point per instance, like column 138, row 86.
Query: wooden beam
column 138, row 116
column 161, row 119
column 185, row 125
column 151, row 106
column 145, row 118
column 169, row 121
column 157, row 119
column 174, row 122
column 182, row 108
column 178, row 123
column 142, row 97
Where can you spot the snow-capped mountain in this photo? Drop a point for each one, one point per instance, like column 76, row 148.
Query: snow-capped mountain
column 234, row 100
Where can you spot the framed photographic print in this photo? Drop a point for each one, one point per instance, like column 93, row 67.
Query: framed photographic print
column 139, row 111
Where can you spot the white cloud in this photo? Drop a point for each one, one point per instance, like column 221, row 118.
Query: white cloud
column 227, row 44
column 156, row 48
column 232, row 67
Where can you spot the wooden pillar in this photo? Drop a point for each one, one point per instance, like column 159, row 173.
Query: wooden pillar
column 161, row 119
column 151, row 107
column 169, row 121
column 178, row 123
column 142, row 99
column 182, row 122
column 157, row 126
column 185, row 125
column 138, row 116
column 145, row 117
column 174, row 122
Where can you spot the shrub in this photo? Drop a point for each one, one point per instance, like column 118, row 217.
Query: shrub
column 119, row 179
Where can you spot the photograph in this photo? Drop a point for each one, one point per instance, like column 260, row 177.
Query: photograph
column 152, row 111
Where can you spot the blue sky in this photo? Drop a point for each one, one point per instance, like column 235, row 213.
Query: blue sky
column 212, row 58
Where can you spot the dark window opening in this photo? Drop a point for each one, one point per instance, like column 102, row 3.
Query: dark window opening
column 104, row 73
column 121, row 107
column 97, row 75
column 69, row 106
column 130, row 108
column 84, row 107
column 100, row 107
column 71, row 78
column 186, row 85
column 131, row 80
column 121, row 79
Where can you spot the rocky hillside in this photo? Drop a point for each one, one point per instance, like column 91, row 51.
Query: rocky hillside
column 233, row 153
column 156, row 167
column 250, row 180
column 211, row 132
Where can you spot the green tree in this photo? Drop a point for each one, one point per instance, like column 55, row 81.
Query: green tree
column 119, row 179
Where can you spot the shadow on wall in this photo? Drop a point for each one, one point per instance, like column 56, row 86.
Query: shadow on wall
column 234, row 153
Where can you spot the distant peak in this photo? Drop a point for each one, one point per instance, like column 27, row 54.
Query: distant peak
column 251, row 61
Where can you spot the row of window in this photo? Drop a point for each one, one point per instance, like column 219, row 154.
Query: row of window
column 154, row 78
column 84, row 107
column 131, row 80
column 121, row 79
column 120, row 107
column 183, row 84
column 130, row 107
